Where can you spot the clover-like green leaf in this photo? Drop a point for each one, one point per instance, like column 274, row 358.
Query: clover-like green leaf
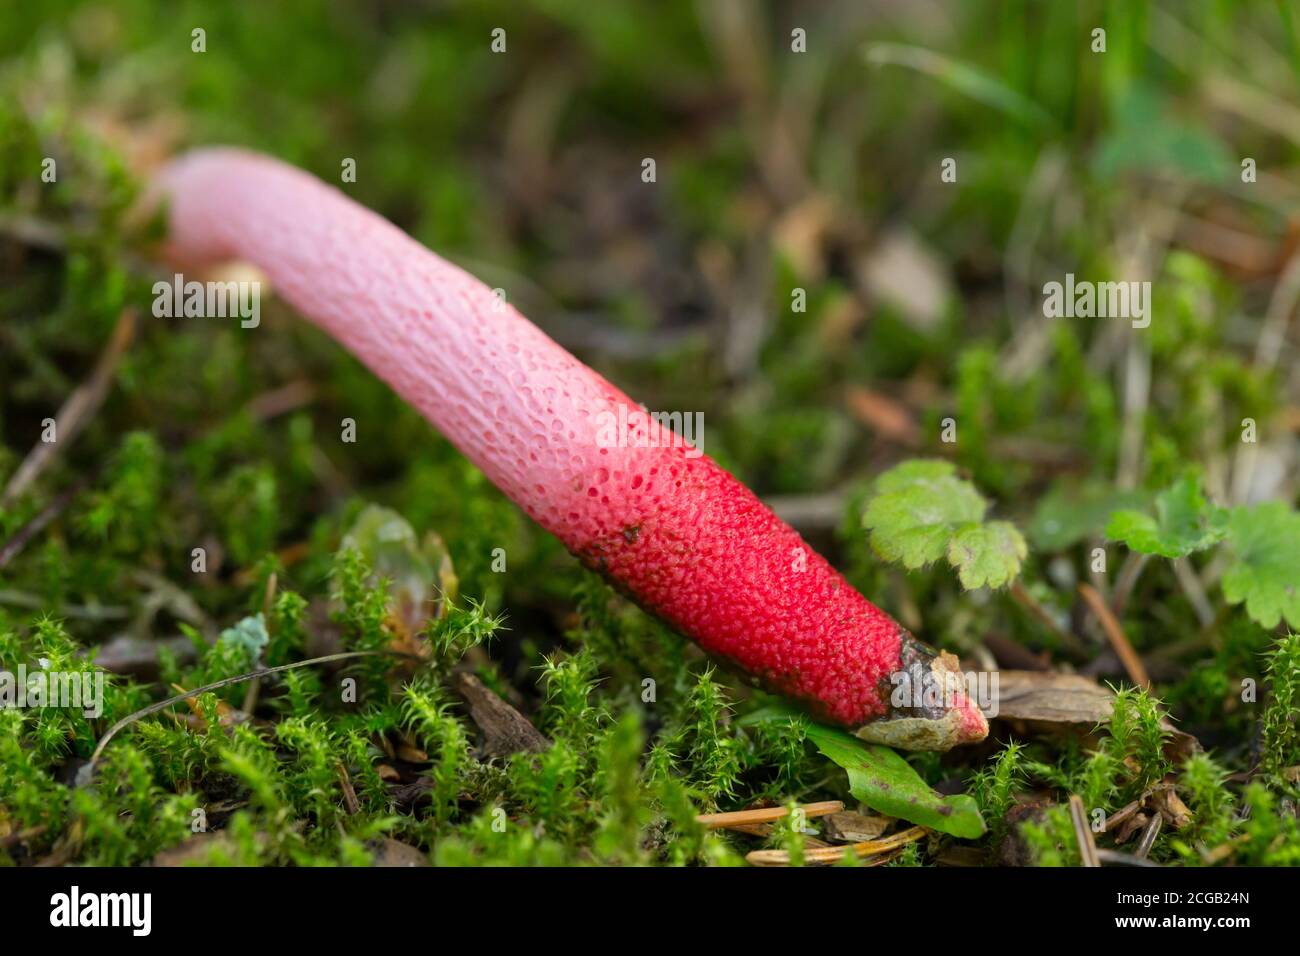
column 918, row 505
column 987, row 555
column 923, row 512
column 1184, row 522
column 1265, row 571
column 919, row 471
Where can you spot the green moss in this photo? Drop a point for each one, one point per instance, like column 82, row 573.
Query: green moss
column 1282, row 715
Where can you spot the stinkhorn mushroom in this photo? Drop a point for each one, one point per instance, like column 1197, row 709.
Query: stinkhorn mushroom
column 663, row 523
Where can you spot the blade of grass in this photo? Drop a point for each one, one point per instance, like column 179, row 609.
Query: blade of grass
column 1292, row 37
column 962, row 77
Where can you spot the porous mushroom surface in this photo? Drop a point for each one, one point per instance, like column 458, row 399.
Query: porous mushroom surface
column 664, row 523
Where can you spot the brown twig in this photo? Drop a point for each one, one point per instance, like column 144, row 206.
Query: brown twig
column 350, row 800
column 1082, row 833
column 1115, row 634
column 1127, row 811
column 1149, row 835
column 885, row 416
column 279, row 401
column 834, row 854
column 739, row 818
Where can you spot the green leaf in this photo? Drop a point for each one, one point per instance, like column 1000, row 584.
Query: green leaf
column 913, row 516
column 881, row 779
column 1184, row 522
column 917, row 471
column 923, row 512
column 1265, row 546
column 1146, row 138
column 888, row 784
column 962, row 77
column 1070, row 514
column 987, row 554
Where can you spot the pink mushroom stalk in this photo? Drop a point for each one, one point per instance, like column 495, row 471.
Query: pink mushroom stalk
column 663, row 523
